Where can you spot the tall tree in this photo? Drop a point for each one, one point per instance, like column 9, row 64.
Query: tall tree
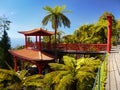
column 103, row 23
column 94, row 33
column 57, row 18
column 5, row 58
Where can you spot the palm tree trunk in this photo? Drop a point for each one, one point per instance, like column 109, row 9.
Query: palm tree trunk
column 55, row 39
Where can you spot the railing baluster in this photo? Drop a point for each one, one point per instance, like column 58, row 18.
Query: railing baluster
column 84, row 47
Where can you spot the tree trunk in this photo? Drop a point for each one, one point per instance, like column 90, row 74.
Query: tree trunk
column 55, row 40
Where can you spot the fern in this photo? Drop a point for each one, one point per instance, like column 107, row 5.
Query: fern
column 64, row 82
column 12, row 80
column 50, row 77
column 59, row 76
column 73, row 71
column 15, row 86
column 69, row 61
column 22, row 74
column 56, row 66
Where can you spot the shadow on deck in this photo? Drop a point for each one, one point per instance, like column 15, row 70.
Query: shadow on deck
column 113, row 75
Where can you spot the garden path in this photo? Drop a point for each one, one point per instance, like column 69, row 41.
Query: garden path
column 113, row 75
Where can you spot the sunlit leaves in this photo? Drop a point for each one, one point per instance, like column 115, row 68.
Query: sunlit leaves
column 12, row 80
column 72, row 71
column 56, row 66
column 56, row 17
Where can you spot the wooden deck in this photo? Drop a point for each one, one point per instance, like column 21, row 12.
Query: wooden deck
column 113, row 76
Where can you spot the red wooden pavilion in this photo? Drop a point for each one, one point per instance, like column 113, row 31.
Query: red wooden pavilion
column 33, row 52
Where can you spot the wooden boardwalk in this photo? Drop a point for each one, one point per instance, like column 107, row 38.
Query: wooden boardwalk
column 113, row 75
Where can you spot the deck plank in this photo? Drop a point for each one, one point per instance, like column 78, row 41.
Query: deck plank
column 113, row 75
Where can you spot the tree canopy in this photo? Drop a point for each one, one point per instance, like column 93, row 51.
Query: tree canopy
column 94, row 33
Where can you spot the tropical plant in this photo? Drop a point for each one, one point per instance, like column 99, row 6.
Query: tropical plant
column 72, row 75
column 57, row 18
column 11, row 80
column 103, row 23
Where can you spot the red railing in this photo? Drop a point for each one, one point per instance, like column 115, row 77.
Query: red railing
column 37, row 45
column 77, row 47
column 83, row 47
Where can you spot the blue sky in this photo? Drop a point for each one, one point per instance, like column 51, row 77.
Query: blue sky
column 28, row 14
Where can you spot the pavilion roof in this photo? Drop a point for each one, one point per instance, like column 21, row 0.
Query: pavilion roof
column 37, row 32
column 32, row 55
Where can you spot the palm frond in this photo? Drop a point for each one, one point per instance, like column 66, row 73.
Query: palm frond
column 59, row 9
column 81, row 75
column 33, row 78
column 36, row 83
column 8, row 75
column 65, row 81
column 49, row 9
column 22, row 74
column 88, row 61
column 64, row 20
column 46, row 19
column 88, row 69
column 48, row 79
column 56, row 17
column 59, row 76
column 69, row 61
column 56, row 66
column 15, row 86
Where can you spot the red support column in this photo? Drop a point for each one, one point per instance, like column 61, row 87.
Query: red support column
column 15, row 64
column 36, row 39
column 49, row 42
column 26, row 42
column 109, row 33
column 36, row 43
column 22, row 65
column 40, row 67
column 40, row 46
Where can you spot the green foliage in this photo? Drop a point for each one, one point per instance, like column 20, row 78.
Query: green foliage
column 56, row 16
column 103, row 75
column 68, row 39
column 12, row 80
column 5, row 45
column 72, row 74
column 93, row 33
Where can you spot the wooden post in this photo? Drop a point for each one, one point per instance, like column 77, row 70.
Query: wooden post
column 109, row 33
column 40, row 67
column 26, row 42
column 15, row 64
column 49, row 42
column 36, row 43
column 40, row 46
column 22, row 65
column 36, row 39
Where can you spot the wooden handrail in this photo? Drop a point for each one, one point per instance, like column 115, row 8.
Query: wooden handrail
column 83, row 47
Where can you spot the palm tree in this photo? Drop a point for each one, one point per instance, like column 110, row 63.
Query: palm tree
column 57, row 18
column 11, row 80
column 72, row 75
